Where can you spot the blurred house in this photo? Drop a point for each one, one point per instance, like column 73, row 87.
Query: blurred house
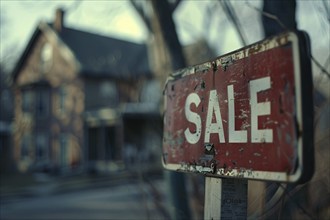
column 6, row 117
column 84, row 102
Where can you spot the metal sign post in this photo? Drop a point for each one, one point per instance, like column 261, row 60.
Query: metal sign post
column 245, row 115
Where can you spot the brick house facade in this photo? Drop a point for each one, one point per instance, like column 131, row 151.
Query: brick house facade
column 78, row 97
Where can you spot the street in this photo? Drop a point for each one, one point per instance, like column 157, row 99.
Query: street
column 127, row 200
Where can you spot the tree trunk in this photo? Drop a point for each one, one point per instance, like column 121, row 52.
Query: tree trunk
column 284, row 10
column 167, row 31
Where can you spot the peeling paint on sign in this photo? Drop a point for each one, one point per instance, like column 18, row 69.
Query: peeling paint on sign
column 241, row 115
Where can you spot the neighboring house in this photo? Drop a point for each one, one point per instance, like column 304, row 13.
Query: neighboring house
column 84, row 101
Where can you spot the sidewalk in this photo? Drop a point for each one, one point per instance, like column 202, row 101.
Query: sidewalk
column 40, row 184
column 101, row 198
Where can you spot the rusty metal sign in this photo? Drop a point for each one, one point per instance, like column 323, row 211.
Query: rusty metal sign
column 247, row 114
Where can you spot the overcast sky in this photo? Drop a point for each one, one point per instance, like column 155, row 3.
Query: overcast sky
column 118, row 19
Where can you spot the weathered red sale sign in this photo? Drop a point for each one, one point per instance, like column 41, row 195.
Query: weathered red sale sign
column 247, row 114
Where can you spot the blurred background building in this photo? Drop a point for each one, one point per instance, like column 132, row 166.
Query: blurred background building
column 83, row 102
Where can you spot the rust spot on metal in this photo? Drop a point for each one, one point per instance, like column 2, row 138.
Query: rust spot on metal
column 226, row 62
column 257, row 154
column 256, row 48
column 280, row 98
column 209, row 148
column 198, row 168
column 196, row 87
column 213, row 167
column 266, row 44
column 203, row 85
column 172, row 87
column 282, row 40
column 214, row 66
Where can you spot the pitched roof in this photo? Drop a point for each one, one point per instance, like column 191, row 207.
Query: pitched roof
column 100, row 55
column 97, row 55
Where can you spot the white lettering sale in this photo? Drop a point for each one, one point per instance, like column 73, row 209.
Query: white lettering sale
column 217, row 127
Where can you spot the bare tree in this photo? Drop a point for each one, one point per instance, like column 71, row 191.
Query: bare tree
column 160, row 23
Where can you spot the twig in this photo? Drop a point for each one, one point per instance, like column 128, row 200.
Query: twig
column 297, row 204
column 275, row 18
column 268, row 15
column 323, row 70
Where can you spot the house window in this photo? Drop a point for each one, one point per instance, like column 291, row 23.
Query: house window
column 64, row 149
column 112, row 151
column 93, row 142
column 151, row 92
column 63, row 95
column 41, row 147
column 28, row 101
column 42, row 100
column 6, row 102
column 108, row 91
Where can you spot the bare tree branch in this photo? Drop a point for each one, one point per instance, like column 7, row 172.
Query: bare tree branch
column 323, row 70
column 280, row 23
column 326, row 7
column 233, row 17
column 142, row 14
column 174, row 5
column 268, row 15
column 138, row 7
column 177, row 187
column 162, row 10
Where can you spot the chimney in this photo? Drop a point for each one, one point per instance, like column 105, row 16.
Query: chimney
column 58, row 23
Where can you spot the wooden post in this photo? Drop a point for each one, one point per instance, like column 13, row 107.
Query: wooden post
column 225, row 198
